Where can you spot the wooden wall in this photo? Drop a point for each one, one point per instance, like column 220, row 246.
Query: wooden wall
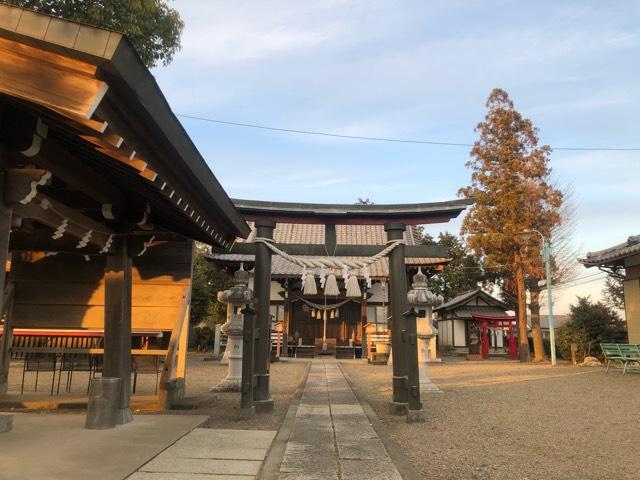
column 632, row 298
column 65, row 291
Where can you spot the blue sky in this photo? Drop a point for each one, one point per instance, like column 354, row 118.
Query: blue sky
column 418, row 70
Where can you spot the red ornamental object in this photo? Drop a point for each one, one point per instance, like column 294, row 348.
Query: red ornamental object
column 489, row 321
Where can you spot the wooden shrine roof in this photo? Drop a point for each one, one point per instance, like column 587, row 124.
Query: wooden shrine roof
column 76, row 101
column 476, row 302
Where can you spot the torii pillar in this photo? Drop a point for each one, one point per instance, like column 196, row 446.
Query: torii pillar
column 399, row 305
column 262, row 290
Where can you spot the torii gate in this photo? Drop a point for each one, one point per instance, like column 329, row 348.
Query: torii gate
column 491, row 321
column 395, row 218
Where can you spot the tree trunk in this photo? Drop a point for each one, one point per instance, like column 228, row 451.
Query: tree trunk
column 523, row 348
column 534, row 306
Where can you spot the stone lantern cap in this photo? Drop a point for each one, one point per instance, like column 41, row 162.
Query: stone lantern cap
column 419, row 295
column 239, row 293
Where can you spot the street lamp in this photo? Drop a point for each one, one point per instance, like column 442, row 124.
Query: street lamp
column 546, row 255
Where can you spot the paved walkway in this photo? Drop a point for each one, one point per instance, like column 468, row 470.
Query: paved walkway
column 332, row 437
column 58, row 447
column 210, row 454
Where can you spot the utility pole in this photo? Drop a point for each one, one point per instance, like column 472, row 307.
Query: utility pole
column 546, row 254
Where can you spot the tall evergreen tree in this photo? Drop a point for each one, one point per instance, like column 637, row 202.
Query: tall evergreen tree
column 510, row 183
column 152, row 26
column 613, row 291
column 462, row 274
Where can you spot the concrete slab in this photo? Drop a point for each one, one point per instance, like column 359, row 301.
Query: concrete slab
column 362, row 449
column 166, row 464
column 332, row 436
column 57, row 446
column 228, row 453
column 186, row 476
column 380, row 469
column 208, row 437
column 207, row 453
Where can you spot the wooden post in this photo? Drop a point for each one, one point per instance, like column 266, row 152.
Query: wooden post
column 285, row 329
column 5, row 230
column 167, row 391
column 262, row 290
column 117, row 324
column 7, row 338
column 363, row 319
column 183, row 346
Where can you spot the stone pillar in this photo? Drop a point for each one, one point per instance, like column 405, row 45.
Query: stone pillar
column 117, row 325
column 235, row 297
column 399, row 305
column 216, row 342
column 262, row 285
column 433, row 350
column 426, row 347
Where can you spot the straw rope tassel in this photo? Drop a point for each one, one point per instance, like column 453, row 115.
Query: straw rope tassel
column 353, row 287
column 310, row 285
column 331, row 285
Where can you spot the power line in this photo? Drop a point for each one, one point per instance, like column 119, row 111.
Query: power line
column 584, row 282
column 382, row 139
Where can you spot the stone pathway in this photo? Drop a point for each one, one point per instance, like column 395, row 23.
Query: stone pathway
column 210, row 454
column 332, row 437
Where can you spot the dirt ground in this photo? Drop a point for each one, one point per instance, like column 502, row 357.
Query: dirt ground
column 503, row 420
column 223, row 408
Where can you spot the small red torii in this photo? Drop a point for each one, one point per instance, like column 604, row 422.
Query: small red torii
column 491, row 321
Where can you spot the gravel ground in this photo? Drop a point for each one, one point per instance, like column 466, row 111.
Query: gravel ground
column 503, row 420
column 223, row 408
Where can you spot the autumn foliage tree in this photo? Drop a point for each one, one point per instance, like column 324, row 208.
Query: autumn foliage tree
column 512, row 189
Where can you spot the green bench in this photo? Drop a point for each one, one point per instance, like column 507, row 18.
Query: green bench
column 625, row 353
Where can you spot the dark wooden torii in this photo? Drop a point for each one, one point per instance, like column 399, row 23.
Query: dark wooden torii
column 395, row 218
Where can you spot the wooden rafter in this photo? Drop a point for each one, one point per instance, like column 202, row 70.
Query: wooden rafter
column 49, row 79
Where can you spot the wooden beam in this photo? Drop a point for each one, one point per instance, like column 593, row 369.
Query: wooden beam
column 354, row 220
column 54, row 214
column 21, row 184
column 41, row 241
column 412, row 251
column 76, row 174
column 49, row 79
column 126, row 157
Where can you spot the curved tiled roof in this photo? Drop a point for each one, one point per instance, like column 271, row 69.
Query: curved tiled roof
column 613, row 255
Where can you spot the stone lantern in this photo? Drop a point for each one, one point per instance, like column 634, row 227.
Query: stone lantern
column 236, row 297
column 423, row 301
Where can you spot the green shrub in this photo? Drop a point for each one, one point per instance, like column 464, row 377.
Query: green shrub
column 589, row 325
